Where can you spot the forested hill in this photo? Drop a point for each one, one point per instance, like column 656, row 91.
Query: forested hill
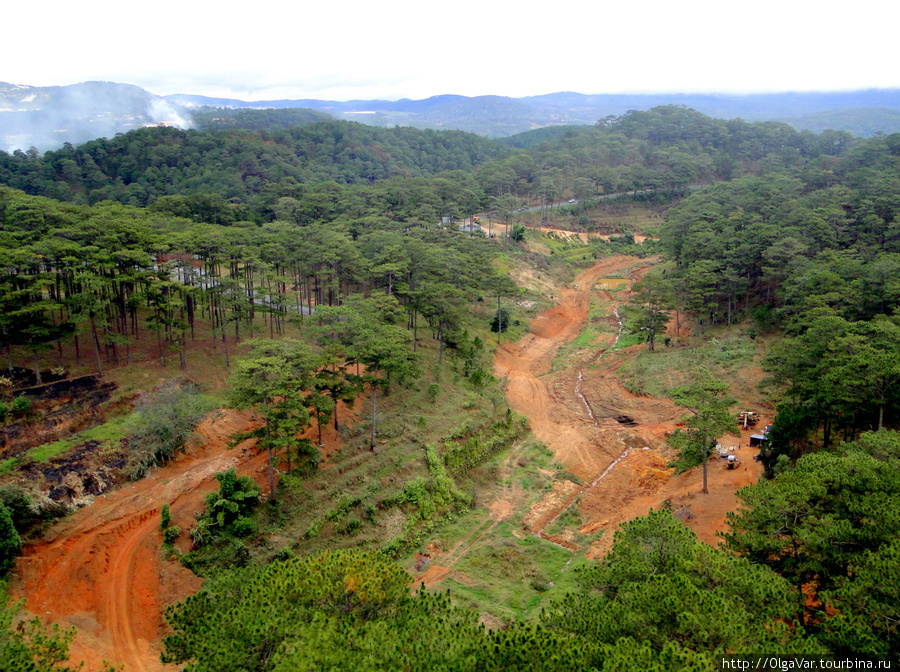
column 813, row 251
column 244, row 166
column 864, row 123
column 47, row 117
column 215, row 118
column 500, row 116
column 303, row 173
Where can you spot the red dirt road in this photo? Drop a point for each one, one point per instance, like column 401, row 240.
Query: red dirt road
column 101, row 569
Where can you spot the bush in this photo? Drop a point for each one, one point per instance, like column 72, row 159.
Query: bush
column 10, row 542
column 313, row 530
column 243, row 527
column 20, row 508
column 227, row 509
column 165, row 517
column 165, row 422
column 170, row 534
column 20, row 406
column 353, row 526
column 433, row 391
column 222, row 552
column 224, row 521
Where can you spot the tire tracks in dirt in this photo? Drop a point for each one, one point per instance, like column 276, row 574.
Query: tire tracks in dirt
column 585, row 443
column 623, row 468
column 530, row 388
column 611, row 438
column 101, row 569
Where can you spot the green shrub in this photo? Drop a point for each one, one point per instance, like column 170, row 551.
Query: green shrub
column 371, row 512
column 170, row 534
column 10, row 542
column 313, row 530
column 20, row 508
column 20, row 406
column 221, row 552
column 226, row 508
column 340, row 511
column 243, row 527
column 164, row 424
column 463, row 456
column 165, row 517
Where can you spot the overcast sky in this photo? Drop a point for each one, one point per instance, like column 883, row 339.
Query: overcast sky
column 391, row 49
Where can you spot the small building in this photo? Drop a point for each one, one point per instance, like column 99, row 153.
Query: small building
column 757, row 440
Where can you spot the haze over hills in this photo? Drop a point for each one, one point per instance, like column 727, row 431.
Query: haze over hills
column 48, row 117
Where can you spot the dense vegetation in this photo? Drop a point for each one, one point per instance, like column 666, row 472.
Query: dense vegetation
column 815, row 252
column 660, row 600
column 303, row 174
column 327, row 240
column 215, row 118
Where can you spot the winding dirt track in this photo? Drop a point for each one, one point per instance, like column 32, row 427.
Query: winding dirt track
column 558, row 418
column 101, row 569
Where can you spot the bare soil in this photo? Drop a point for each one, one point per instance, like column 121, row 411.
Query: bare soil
column 102, row 569
column 611, row 439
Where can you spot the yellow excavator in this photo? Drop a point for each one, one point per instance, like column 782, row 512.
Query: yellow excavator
column 748, row 418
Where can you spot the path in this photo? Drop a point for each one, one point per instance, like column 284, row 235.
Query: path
column 101, row 569
column 613, row 440
column 557, row 417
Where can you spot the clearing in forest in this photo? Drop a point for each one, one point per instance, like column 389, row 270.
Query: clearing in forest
column 606, row 456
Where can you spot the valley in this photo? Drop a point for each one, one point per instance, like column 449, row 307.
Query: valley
column 612, row 440
column 101, row 570
column 262, row 383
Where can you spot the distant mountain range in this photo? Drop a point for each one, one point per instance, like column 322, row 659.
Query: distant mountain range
column 47, row 117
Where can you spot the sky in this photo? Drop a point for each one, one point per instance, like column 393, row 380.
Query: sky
column 392, row 49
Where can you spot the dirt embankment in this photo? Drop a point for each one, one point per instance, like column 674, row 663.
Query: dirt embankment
column 101, row 569
column 62, row 407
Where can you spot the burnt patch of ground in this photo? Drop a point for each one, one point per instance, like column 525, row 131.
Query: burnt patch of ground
column 87, row 470
column 57, row 410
